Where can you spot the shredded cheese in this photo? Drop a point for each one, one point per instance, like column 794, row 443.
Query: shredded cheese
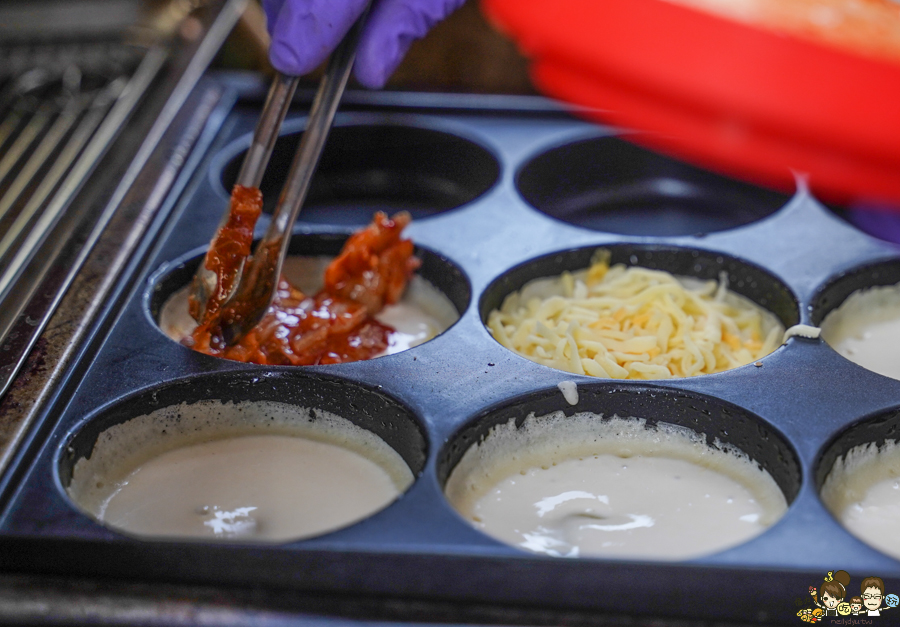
column 802, row 330
column 625, row 322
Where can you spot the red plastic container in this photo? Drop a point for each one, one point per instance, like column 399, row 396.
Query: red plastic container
column 752, row 103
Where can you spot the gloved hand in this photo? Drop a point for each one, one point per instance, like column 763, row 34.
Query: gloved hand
column 304, row 32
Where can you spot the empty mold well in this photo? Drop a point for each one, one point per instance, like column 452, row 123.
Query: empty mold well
column 608, row 184
column 379, row 167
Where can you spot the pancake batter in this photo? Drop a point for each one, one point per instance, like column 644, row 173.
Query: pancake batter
column 249, row 471
column 572, row 487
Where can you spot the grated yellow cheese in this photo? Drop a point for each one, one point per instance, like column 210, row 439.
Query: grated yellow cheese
column 625, row 322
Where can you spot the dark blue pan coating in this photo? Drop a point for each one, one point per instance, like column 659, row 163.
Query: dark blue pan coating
column 499, row 196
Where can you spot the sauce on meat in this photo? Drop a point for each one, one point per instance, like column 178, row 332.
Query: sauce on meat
column 229, row 250
column 337, row 324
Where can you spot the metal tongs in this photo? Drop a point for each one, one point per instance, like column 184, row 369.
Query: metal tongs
column 258, row 278
column 205, row 282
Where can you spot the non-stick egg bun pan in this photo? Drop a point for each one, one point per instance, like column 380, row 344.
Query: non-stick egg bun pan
column 499, row 196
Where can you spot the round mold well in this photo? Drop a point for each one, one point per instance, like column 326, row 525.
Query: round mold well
column 720, row 421
column 835, row 292
column 233, row 397
column 744, row 278
column 607, row 184
column 879, row 433
column 379, row 167
column 438, row 271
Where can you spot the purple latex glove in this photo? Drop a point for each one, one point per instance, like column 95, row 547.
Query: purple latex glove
column 304, row 32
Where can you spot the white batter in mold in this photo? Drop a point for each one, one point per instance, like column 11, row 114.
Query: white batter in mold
column 579, row 486
column 423, row 313
column 866, row 329
column 247, row 471
column 862, row 490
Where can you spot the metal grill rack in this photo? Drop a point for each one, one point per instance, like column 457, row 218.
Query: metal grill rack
column 61, row 106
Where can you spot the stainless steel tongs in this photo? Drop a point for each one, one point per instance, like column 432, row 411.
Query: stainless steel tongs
column 205, row 282
column 258, row 279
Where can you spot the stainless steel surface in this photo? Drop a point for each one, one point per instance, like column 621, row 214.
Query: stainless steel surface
column 25, row 257
column 277, row 103
column 111, row 203
column 72, row 77
column 90, row 109
column 62, row 117
column 259, row 281
column 274, row 110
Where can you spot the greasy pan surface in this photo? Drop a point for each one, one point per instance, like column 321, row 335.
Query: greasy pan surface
column 491, row 214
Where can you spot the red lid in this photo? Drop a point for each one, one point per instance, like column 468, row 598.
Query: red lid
column 732, row 97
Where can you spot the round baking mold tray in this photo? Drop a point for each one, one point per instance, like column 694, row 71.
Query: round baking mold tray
column 379, row 167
